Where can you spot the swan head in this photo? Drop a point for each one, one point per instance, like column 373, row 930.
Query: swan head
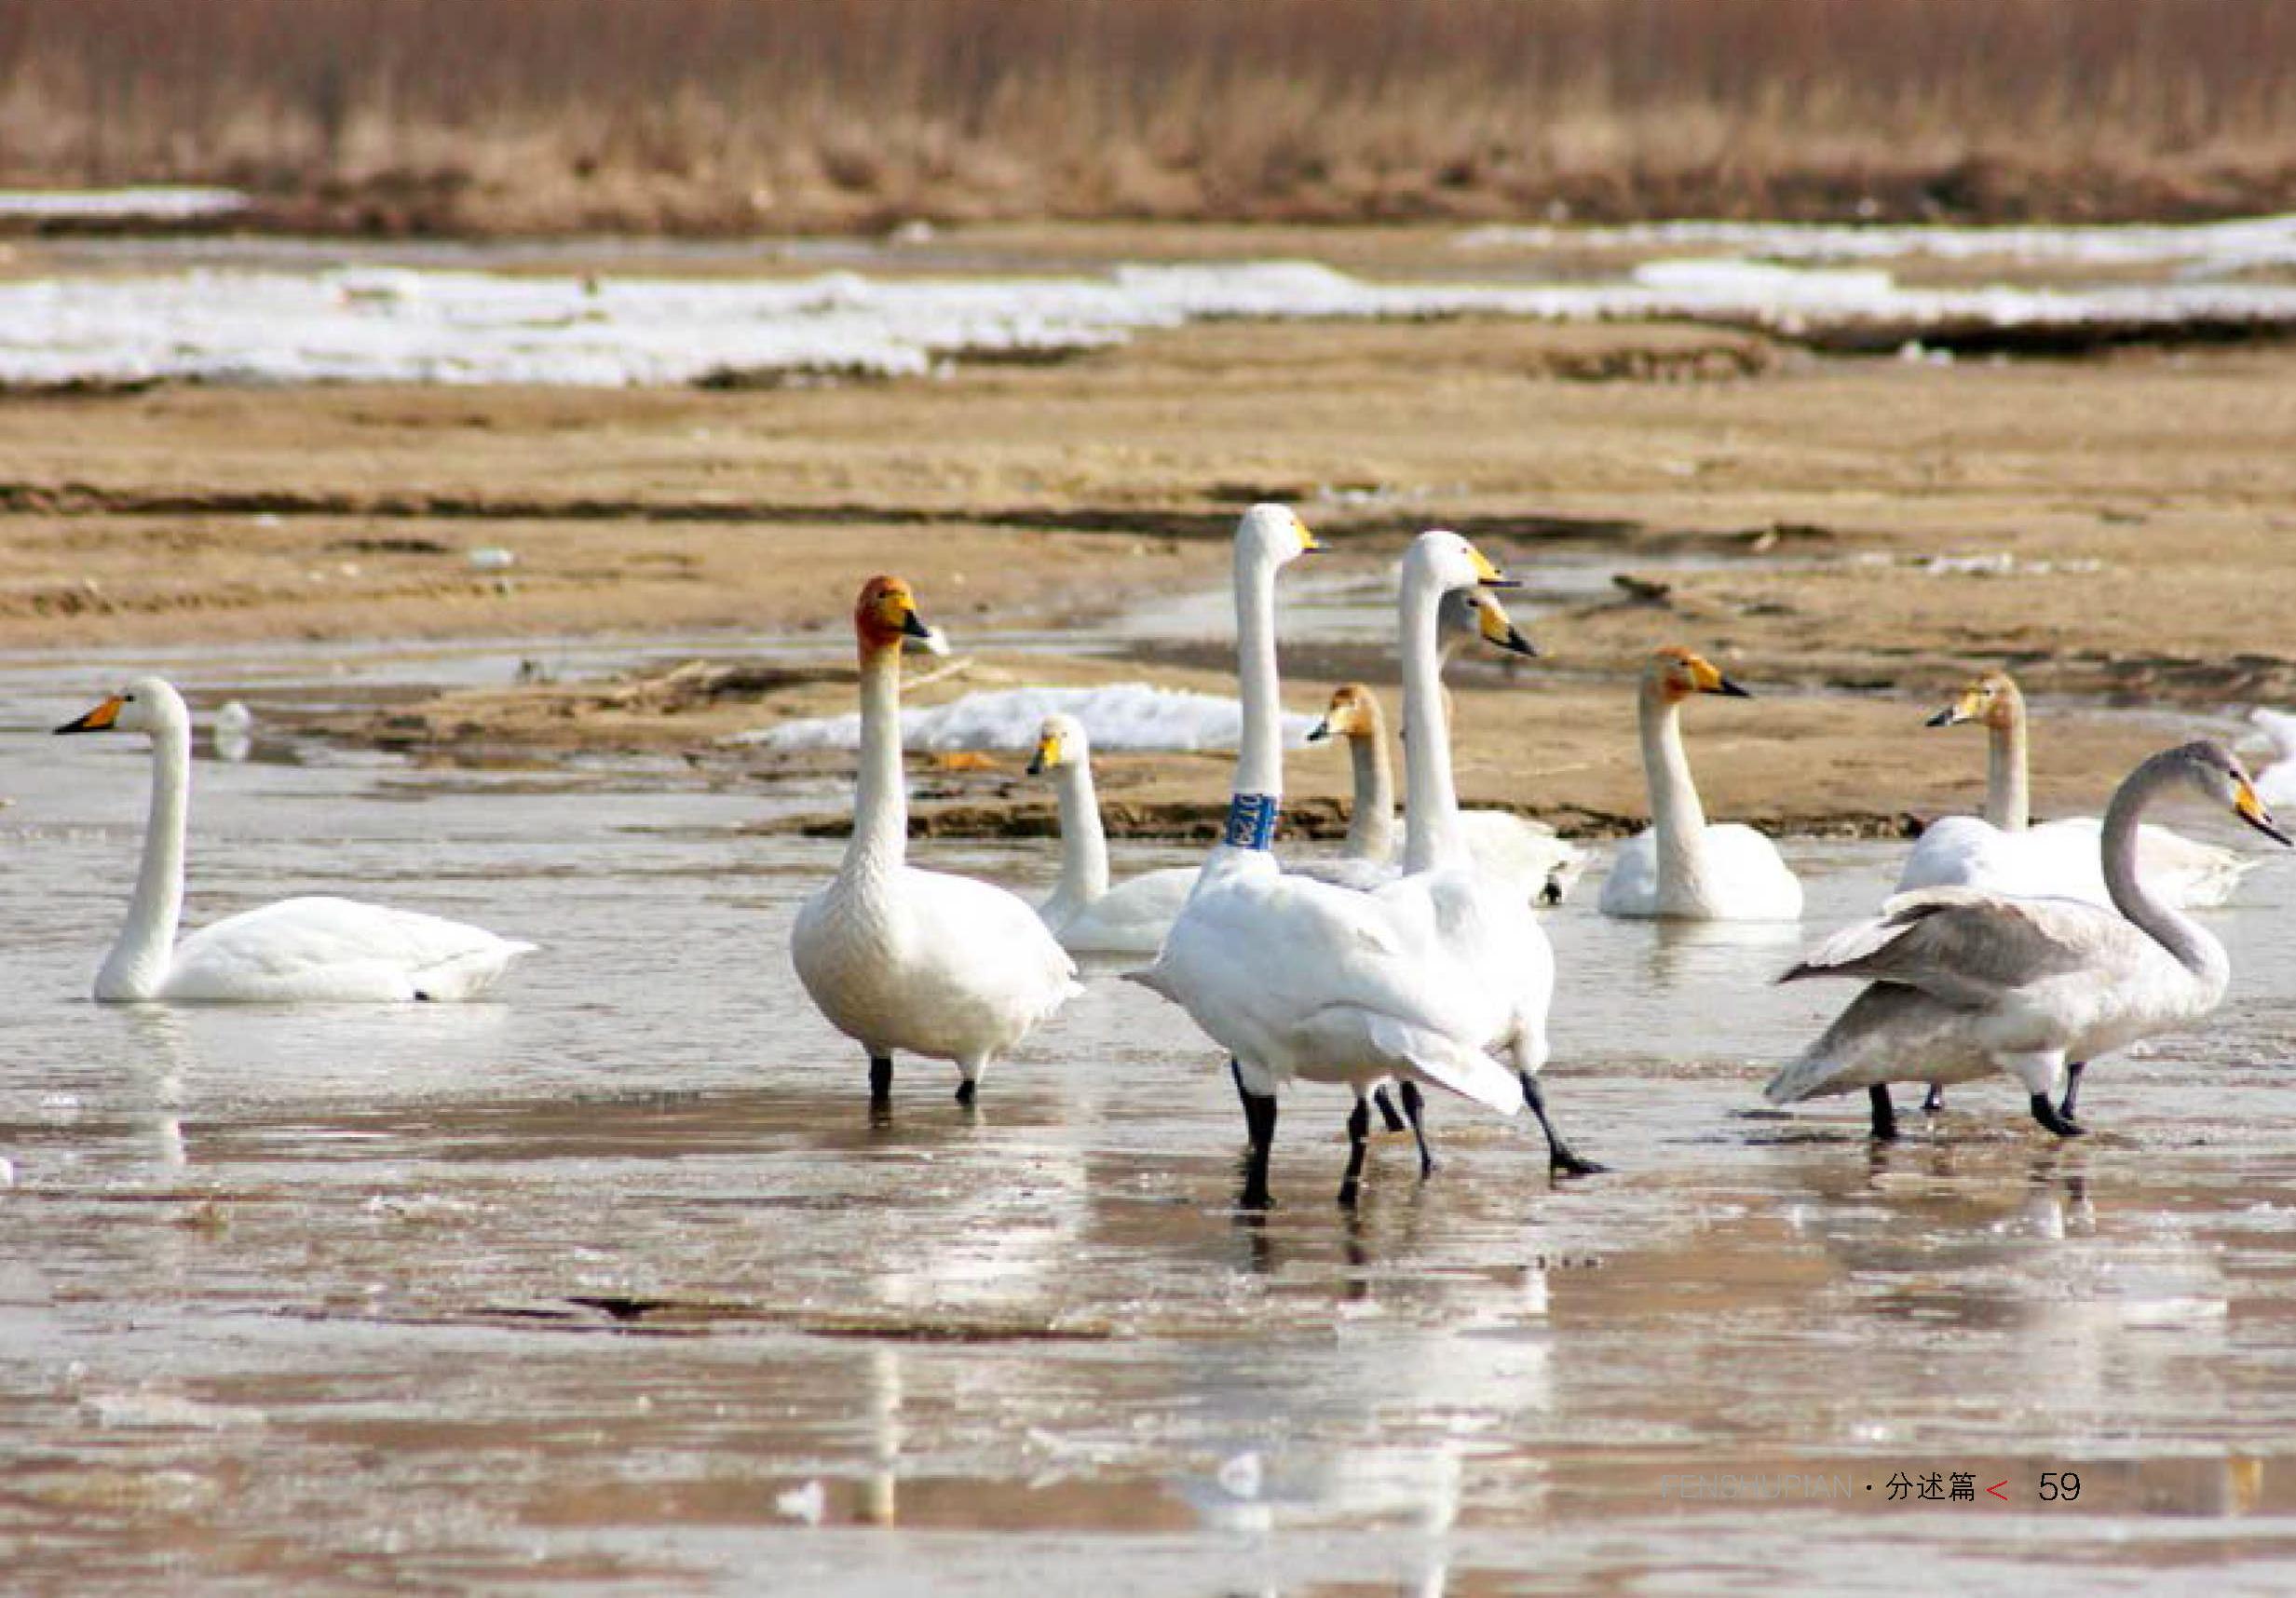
column 1060, row 741
column 1354, row 712
column 147, row 705
column 1675, row 674
column 1477, row 613
column 886, row 613
column 1273, row 535
column 1992, row 698
column 2218, row 774
column 1450, row 564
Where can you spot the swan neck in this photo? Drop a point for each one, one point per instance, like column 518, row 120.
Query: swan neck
column 2194, row 947
column 1258, row 790
column 880, row 799
column 1371, row 820
column 1677, row 816
column 1431, row 798
column 2007, row 801
column 1083, row 843
column 137, row 966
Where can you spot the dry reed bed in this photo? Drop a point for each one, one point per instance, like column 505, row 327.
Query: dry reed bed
column 720, row 115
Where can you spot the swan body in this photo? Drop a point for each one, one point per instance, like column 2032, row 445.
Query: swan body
column 903, row 960
column 1084, row 912
column 1965, row 983
column 2003, row 852
column 315, row 950
column 1512, row 848
column 1682, row 866
column 1300, row 979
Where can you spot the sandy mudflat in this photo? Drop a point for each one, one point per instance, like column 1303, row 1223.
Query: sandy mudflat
column 2143, row 503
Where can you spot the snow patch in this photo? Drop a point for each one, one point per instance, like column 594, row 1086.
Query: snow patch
column 405, row 325
column 1118, row 716
column 146, row 203
column 2245, row 244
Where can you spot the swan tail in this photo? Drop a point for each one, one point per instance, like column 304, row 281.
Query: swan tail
column 1806, row 1077
column 1153, row 978
column 1445, row 1063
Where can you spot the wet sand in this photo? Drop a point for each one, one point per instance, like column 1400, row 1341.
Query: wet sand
column 2140, row 505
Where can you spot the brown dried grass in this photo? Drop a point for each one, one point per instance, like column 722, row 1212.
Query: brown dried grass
column 735, row 114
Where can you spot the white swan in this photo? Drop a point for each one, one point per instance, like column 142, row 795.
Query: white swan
column 1084, row 912
column 1510, row 847
column 1304, row 979
column 233, row 735
column 2002, row 853
column 300, row 951
column 1681, row 866
column 1967, row 982
column 905, row 960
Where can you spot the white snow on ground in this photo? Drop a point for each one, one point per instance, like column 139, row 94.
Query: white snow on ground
column 119, row 205
column 1118, row 716
column 404, row 325
column 2217, row 247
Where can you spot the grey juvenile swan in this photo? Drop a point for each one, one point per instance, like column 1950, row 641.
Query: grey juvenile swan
column 1964, row 982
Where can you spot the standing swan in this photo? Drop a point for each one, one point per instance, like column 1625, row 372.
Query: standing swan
column 1679, row 866
column 898, row 958
column 1965, row 983
column 1084, row 912
column 1299, row 978
column 2002, row 852
column 300, row 951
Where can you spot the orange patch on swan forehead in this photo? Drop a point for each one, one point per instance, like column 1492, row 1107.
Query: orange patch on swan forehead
column 877, row 615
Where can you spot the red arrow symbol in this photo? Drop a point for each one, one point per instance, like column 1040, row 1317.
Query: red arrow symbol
column 1996, row 1489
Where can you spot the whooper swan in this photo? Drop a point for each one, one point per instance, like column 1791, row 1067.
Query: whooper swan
column 1681, row 866
column 315, row 950
column 2001, row 852
column 1084, row 912
column 1965, row 983
column 1303, row 979
column 901, row 959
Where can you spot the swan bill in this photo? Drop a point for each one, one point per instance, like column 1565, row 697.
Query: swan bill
column 1488, row 574
column 2250, row 808
column 1047, row 755
column 1316, row 734
column 1498, row 630
column 101, row 718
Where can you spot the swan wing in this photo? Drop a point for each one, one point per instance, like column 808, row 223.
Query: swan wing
column 1528, row 853
column 319, row 948
column 972, row 945
column 1294, row 974
column 1967, row 948
column 1751, row 879
column 1132, row 918
column 1631, row 887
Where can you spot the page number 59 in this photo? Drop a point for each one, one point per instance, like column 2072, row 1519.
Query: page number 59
column 2057, row 1485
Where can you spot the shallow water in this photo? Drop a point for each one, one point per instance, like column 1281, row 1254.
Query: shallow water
column 614, row 1284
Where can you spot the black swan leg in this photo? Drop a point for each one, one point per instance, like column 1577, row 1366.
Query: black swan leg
column 1934, row 1100
column 1415, row 1107
column 1358, row 1145
column 880, row 1080
column 1259, row 1125
column 1884, row 1114
column 1560, row 1158
column 1396, row 1123
column 2073, row 1087
column 2046, row 1113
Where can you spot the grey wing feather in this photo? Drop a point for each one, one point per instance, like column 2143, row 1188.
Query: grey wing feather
column 1965, row 947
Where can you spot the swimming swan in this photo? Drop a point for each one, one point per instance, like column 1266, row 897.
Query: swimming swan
column 1084, row 912
column 1681, row 866
column 1303, row 979
column 2002, row 853
column 1964, row 982
column 901, row 959
column 316, row 950
column 1526, row 853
